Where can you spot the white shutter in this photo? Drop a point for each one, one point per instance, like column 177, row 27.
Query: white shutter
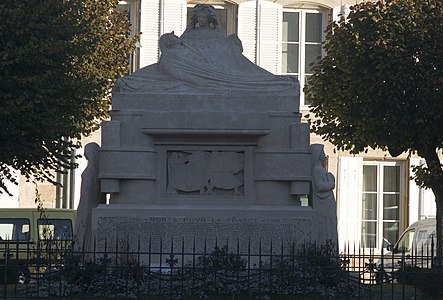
column 150, row 32
column 269, row 36
column 350, row 173
column 340, row 10
column 173, row 17
column 421, row 201
column 247, row 28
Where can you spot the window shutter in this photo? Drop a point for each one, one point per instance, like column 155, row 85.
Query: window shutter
column 350, row 175
column 340, row 10
column 421, row 201
column 247, row 28
column 173, row 17
column 150, row 32
column 269, row 36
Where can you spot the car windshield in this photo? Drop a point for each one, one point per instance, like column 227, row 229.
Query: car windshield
column 405, row 242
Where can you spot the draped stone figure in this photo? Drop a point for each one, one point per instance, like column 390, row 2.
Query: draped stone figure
column 90, row 197
column 325, row 207
column 204, row 59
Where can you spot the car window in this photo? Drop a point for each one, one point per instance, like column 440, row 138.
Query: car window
column 421, row 239
column 422, row 235
column 14, row 229
column 430, row 240
column 405, row 242
column 54, row 229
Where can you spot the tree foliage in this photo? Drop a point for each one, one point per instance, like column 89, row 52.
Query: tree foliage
column 58, row 62
column 380, row 84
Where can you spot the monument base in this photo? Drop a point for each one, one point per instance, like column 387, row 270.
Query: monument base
column 199, row 228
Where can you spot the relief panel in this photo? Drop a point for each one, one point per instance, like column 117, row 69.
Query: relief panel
column 205, row 173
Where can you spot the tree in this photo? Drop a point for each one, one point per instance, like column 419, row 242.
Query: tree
column 58, row 62
column 380, row 85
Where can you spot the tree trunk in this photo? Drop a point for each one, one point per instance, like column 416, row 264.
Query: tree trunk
column 439, row 225
column 436, row 184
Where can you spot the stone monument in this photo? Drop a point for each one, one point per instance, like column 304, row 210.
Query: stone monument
column 205, row 145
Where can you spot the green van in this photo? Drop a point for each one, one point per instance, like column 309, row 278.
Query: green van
column 29, row 236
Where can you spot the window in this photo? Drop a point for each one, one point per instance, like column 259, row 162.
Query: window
column 132, row 7
column 225, row 15
column 302, row 43
column 405, row 243
column 14, row 229
column 54, row 229
column 381, row 205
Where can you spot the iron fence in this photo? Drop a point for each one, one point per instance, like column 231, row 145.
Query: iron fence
column 218, row 271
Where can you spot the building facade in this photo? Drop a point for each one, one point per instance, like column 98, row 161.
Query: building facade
column 376, row 199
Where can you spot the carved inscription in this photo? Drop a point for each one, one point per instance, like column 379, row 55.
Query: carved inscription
column 247, row 231
column 205, row 172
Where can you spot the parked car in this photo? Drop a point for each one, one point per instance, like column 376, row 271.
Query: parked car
column 26, row 235
column 416, row 247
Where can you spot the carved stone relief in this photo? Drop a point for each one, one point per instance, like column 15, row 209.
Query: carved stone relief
column 205, row 173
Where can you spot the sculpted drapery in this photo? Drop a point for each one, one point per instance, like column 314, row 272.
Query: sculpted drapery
column 325, row 207
column 205, row 59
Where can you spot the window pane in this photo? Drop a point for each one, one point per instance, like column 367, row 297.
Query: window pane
column 391, row 179
column 313, row 27
column 369, row 207
column 391, row 207
column 390, row 233
column 16, row 229
column 289, row 58
column 368, row 234
column 54, row 229
column 369, row 178
column 313, row 52
column 307, row 77
column 290, row 27
column 222, row 16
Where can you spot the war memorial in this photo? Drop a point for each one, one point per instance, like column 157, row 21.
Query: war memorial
column 204, row 145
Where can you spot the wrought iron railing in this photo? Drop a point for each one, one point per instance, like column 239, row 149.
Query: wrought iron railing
column 56, row 269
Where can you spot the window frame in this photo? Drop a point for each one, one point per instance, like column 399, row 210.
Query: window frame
column 380, row 218
column 301, row 75
column 231, row 13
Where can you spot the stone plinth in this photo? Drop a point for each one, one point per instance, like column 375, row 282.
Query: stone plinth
column 145, row 226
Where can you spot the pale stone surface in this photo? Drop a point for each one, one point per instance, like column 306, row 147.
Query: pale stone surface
column 215, row 138
column 90, row 197
column 205, row 224
column 323, row 184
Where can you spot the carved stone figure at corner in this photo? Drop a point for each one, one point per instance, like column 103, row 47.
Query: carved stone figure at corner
column 90, row 197
column 325, row 207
